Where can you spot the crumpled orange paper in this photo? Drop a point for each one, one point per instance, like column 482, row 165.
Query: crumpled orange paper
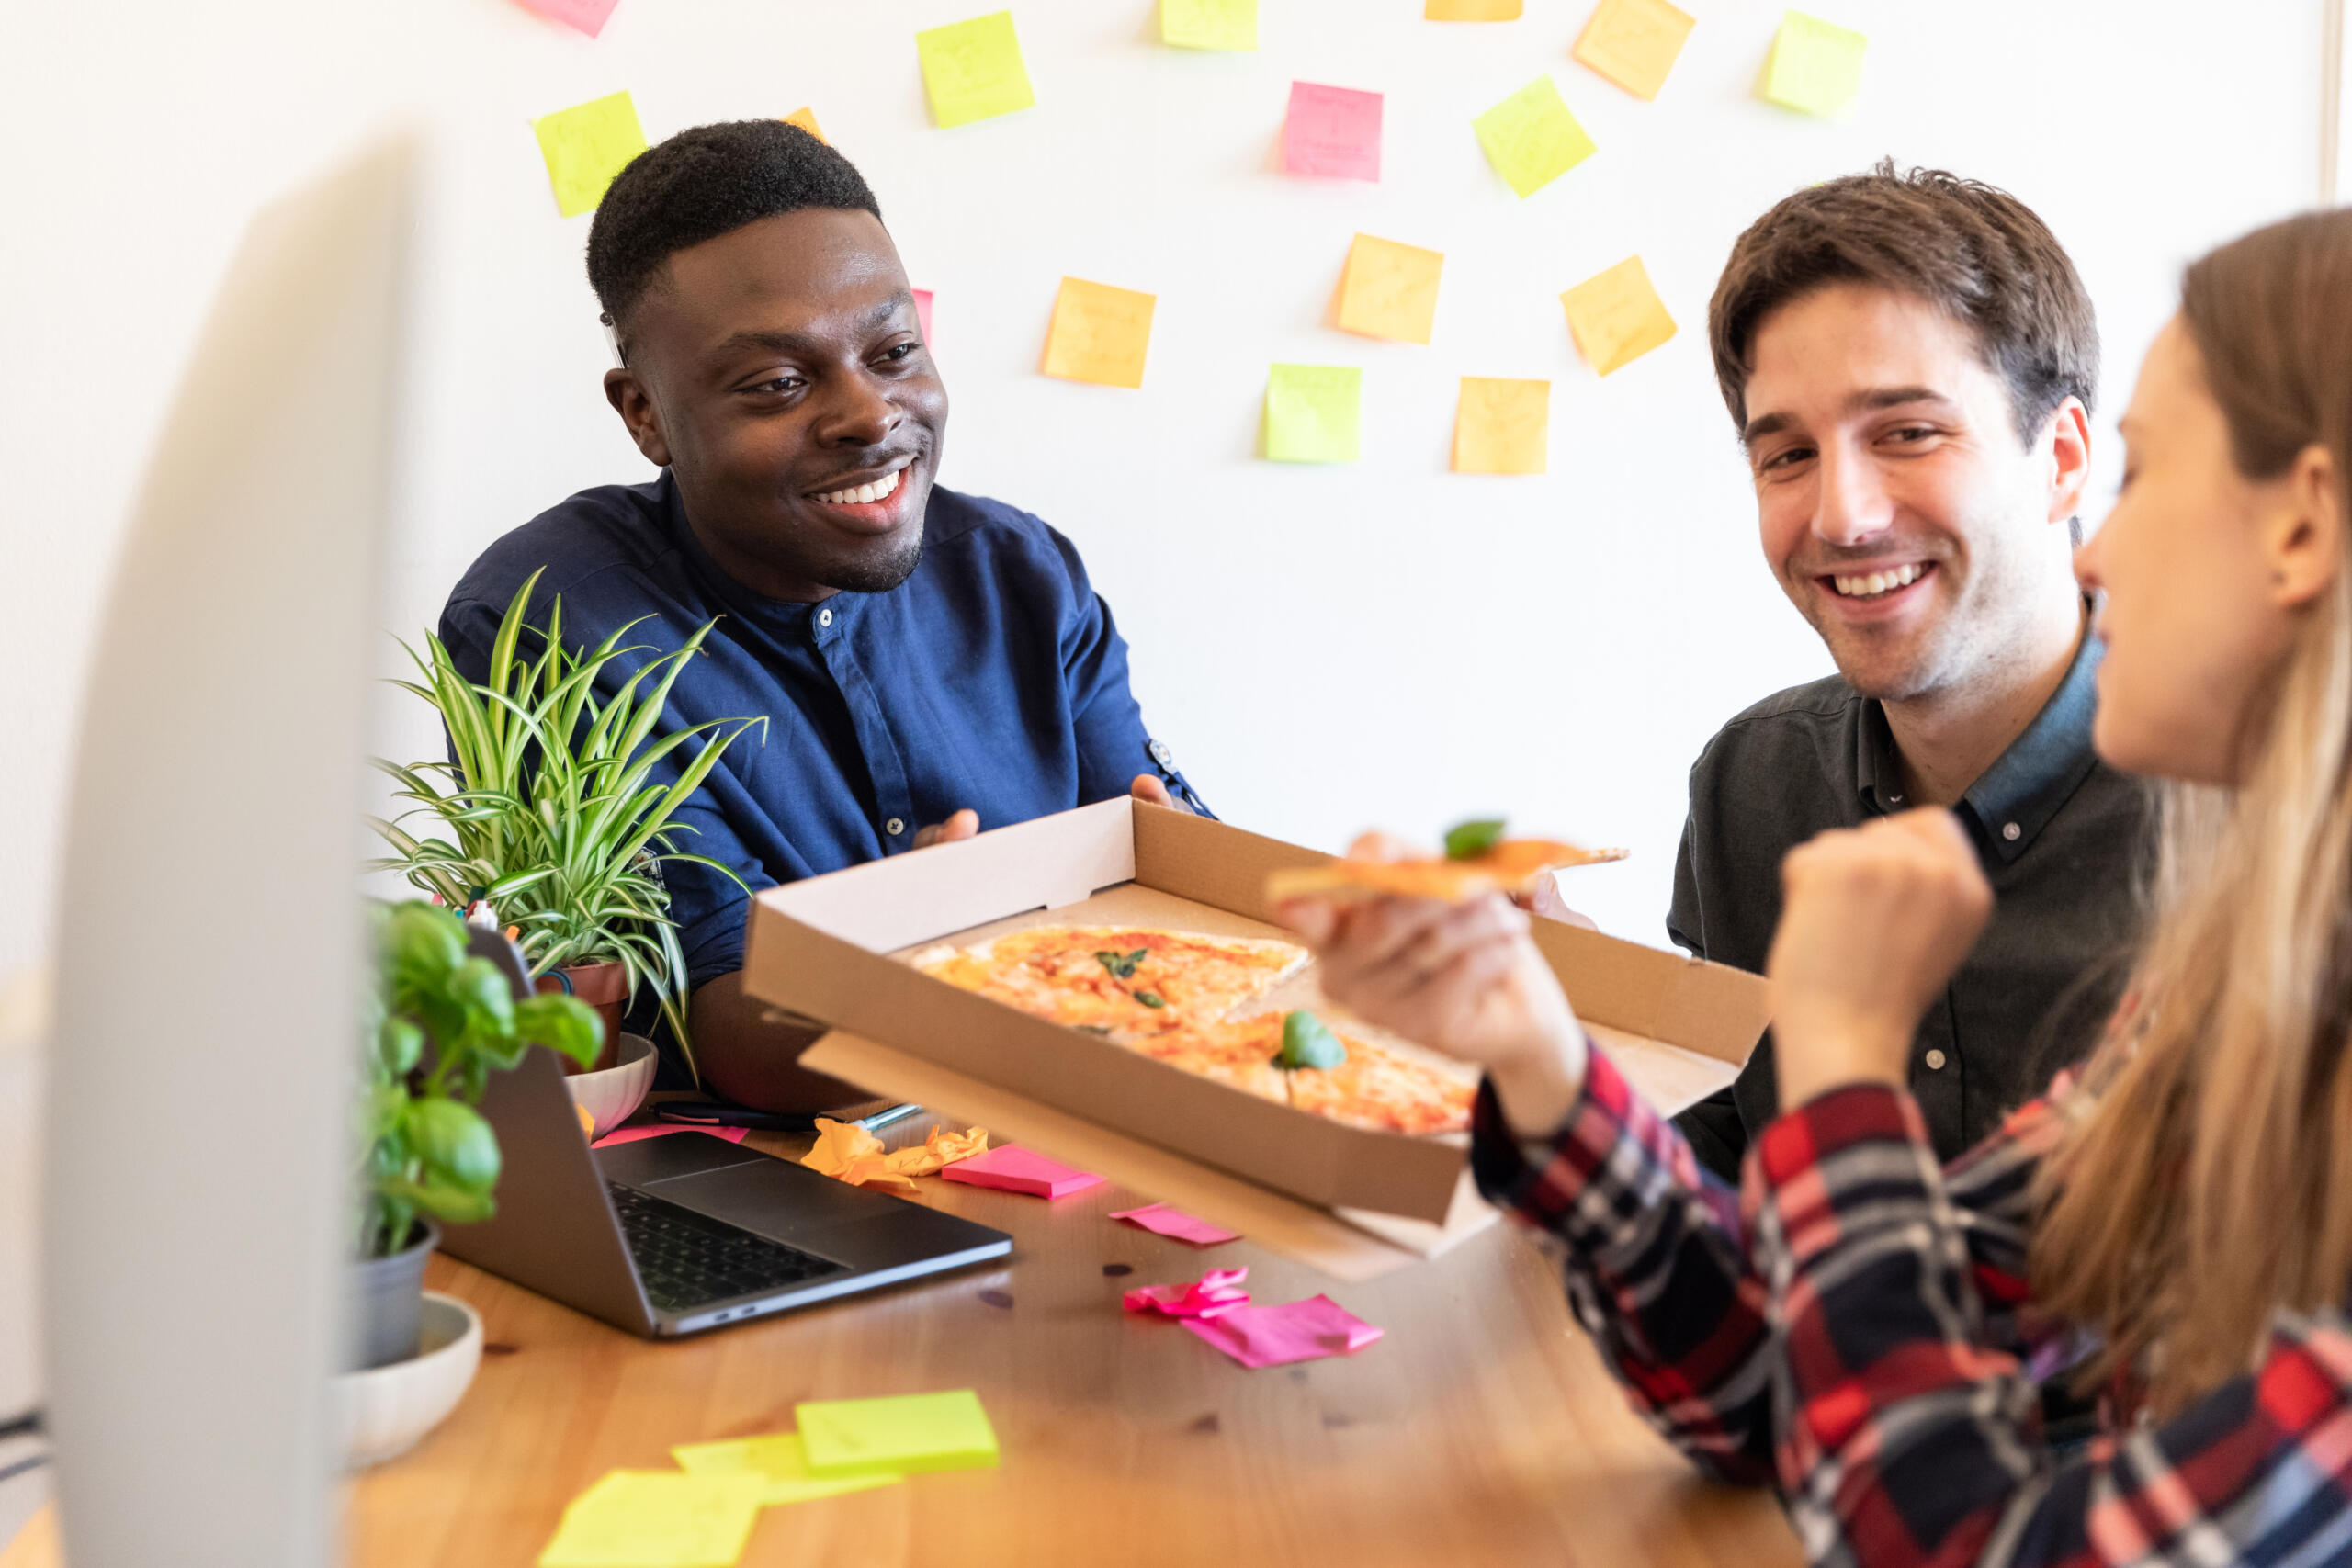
column 847, row 1152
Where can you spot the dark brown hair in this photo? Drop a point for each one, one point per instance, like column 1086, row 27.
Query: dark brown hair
column 1977, row 253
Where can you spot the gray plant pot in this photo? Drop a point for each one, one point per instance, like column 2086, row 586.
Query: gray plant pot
column 387, row 1296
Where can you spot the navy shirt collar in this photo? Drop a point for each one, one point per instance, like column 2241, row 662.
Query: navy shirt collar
column 818, row 623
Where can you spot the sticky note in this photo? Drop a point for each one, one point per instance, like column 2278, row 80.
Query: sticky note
column 805, row 118
column 1616, row 316
column 1176, row 1223
column 1331, row 133
column 973, row 71
column 1815, row 68
column 1021, row 1170
column 1471, row 10
column 906, row 1432
column 1634, row 42
column 639, row 1134
column 1214, row 1294
column 923, row 314
column 1209, row 24
column 1389, row 290
column 1532, row 139
column 1100, row 334
column 1277, row 1335
column 780, row 1460
column 586, row 146
column 656, row 1518
column 1314, row 415
column 588, row 16
column 1502, row 427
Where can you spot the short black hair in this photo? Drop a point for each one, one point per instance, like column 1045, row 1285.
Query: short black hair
column 705, row 182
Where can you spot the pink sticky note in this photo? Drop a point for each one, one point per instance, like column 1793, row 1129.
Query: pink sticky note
column 588, row 16
column 1016, row 1169
column 635, row 1134
column 1177, row 1223
column 1274, row 1335
column 923, row 314
column 1214, row 1294
column 1332, row 131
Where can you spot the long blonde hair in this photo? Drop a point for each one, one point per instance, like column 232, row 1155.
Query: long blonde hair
column 2206, row 1181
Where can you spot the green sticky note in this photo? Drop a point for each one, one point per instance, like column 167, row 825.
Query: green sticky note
column 586, row 146
column 657, row 1519
column 1314, row 413
column 1815, row 68
column 779, row 1460
column 906, row 1432
column 973, row 71
column 1532, row 139
column 1209, row 24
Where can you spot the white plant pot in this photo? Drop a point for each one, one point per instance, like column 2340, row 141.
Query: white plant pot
column 384, row 1410
column 613, row 1096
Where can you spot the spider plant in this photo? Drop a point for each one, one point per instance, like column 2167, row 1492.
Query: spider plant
column 548, row 801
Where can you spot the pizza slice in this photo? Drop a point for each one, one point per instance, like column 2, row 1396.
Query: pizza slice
column 1126, row 983
column 1477, row 859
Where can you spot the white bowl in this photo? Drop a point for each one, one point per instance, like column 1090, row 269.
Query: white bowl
column 385, row 1410
column 613, row 1096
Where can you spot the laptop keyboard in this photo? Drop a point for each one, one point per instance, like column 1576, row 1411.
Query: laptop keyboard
column 689, row 1260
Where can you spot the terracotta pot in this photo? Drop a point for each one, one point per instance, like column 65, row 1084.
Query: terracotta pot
column 604, row 986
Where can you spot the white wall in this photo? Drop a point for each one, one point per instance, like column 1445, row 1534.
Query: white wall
column 1324, row 649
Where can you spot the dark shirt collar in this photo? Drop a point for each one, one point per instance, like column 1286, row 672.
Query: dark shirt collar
column 790, row 616
column 2014, row 799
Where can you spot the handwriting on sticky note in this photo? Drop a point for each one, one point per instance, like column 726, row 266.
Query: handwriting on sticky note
column 805, row 118
column 1532, row 139
column 1389, row 289
column 781, row 1461
column 1616, row 317
column 588, row 16
column 1634, row 42
column 973, row 70
column 1100, row 334
column 656, row 1518
column 586, row 146
column 902, row 1433
column 1276, row 1336
column 1815, row 68
column 1502, row 426
column 1471, row 10
column 1331, row 133
column 1314, row 415
column 1209, row 24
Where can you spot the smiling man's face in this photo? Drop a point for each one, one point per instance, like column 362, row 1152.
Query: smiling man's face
column 1901, row 511
column 779, row 373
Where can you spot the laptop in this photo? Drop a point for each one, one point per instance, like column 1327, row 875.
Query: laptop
column 675, row 1235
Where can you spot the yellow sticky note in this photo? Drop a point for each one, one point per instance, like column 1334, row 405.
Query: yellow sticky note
column 1815, row 68
column 1314, row 413
column 1100, row 334
column 781, row 1462
column 1532, row 139
column 657, row 1519
column 973, row 71
column 1209, row 24
column 1471, row 10
column 1389, row 290
column 1634, row 42
column 1616, row 316
column 908, row 1432
column 805, row 118
column 1502, row 427
column 586, row 146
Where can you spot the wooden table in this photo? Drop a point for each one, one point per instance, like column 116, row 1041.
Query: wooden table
column 1482, row 1430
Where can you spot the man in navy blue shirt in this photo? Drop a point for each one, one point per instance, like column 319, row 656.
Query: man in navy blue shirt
column 928, row 662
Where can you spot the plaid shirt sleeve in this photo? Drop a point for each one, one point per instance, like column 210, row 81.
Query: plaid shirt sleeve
column 1909, row 1421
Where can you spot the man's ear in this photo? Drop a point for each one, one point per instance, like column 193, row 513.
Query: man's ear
column 2068, row 442
column 2302, row 532
column 627, row 396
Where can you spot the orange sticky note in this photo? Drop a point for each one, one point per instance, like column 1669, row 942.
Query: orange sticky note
column 1389, row 290
column 1471, row 10
column 1100, row 334
column 973, row 70
column 806, row 119
column 1502, row 427
column 1634, row 43
column 1616, row 316
column 586, row 146
column 1532, row 139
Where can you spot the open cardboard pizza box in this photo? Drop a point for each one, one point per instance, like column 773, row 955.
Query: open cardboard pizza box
column 1352, row 1201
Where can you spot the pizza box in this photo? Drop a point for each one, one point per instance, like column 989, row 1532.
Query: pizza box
column 834, row 948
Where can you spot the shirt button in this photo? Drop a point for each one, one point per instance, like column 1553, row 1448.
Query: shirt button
column 2010, row 831
column 825, row 618
column 1935, row 1060
column 894, row 827
column 1160, row 754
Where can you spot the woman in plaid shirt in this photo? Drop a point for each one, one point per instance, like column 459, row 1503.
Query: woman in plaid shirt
column 1867, row 1329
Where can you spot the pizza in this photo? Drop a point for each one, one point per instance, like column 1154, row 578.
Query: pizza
column 1509, row 865
column 1375, row 1086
